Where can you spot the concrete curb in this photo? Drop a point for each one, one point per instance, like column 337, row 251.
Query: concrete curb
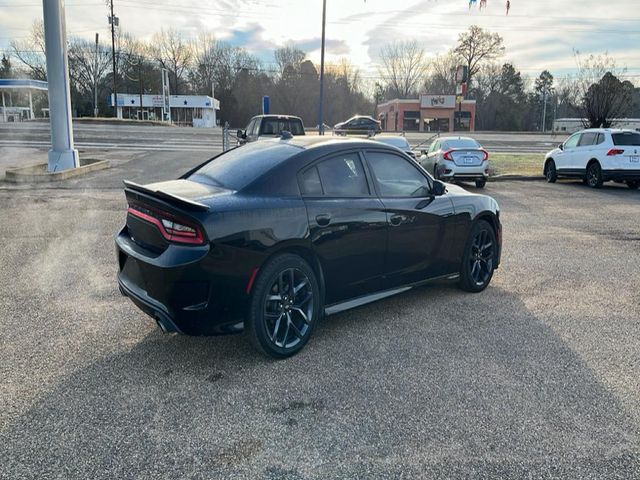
column 520, row 178
column 38, row 173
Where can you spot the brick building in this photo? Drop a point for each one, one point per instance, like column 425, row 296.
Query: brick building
column 429, row 113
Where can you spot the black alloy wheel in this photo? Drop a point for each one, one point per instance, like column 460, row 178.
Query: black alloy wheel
column 479, row 258
column 480, row 183
column 285, row 306
column 594, row 175
column 550, row 173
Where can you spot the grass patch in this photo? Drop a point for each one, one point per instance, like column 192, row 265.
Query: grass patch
column 529, row 164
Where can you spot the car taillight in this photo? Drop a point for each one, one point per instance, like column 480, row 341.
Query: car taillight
column 485, row 155
column 173, row 229
column 615, row 151
column 447, row 155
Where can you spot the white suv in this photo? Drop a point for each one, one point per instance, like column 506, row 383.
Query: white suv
column 597, row 155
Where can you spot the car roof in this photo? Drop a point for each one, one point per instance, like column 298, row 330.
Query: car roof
column 606, row 130
column 272, row 115
column 309, row 142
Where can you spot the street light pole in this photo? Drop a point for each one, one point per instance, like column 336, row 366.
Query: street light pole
column 321, row 109
column 62, row 154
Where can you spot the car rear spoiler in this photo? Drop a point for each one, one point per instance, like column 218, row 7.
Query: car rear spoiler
column 184, row 202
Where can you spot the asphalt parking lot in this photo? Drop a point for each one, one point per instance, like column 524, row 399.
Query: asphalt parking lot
column 537, row 377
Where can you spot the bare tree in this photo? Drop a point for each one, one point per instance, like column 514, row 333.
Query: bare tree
column 87, row 67
column 476, row 46
column 602, row 97
column 175, row 54
column 403, row 67
column 30, row 51
column 288, row 57
column 442, row 74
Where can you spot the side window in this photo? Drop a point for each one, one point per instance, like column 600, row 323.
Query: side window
column 600, row 139
column 255, row 130
column 343, row 176
column 587, row 139
column 249, row 129
column 572, row 141
column 434, row 147
column 396, row 177
column 310, row 182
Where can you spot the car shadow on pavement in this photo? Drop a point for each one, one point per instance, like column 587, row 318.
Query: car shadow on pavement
column 434, row 383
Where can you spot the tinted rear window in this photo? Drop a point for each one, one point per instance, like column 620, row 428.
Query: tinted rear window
column 461, row 143
column 275, row 126
column 239, row 167
column 626, row 138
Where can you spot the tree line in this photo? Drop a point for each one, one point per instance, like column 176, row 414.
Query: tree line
column 506, row 99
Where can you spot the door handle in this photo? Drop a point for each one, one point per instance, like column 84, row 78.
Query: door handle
column 323, row 219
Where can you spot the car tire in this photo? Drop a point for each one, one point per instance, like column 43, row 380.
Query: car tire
column 285, row 306
column 594, row 175
column 633, row 184
column 479, row 259
column 480, row 183
column 550, row 172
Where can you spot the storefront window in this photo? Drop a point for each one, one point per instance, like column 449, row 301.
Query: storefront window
column 411, row 120
column 436, row 124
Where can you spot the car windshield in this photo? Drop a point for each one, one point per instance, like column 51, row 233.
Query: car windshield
column 237, row 168
column 461, row 143
column 626, row 139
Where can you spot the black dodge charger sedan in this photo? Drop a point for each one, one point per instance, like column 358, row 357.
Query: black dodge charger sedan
column 271, row 236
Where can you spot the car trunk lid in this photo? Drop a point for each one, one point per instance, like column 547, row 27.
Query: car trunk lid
column 467, row 157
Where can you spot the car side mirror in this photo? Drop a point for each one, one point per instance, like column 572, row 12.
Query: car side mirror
column 241, row 134
column 423, row 152
column 438, row 188
column 561, row 146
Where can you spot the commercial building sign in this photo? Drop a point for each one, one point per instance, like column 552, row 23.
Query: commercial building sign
column 437, row 101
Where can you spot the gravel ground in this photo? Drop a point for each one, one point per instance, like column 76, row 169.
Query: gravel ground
column 537, row 377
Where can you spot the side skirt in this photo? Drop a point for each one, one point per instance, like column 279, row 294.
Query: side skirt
column 373, row 297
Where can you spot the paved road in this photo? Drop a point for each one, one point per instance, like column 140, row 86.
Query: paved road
column 184, row 139
column 537, row 377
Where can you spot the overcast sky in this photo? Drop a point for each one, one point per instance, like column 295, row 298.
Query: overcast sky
column 538, row 34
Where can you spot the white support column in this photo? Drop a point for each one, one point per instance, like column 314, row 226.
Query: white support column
column 30, row 106
column 4, row 109
column 62, row 154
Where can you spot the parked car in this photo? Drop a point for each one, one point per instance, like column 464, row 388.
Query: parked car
column 398, row 142
column 271, row 236
column 597, row 155
column 270, row 126
column 359, row 124
column 457, row 158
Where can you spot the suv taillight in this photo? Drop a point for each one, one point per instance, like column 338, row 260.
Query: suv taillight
column 485, row 155
column 615, row 151
column 173, row 229
column 447, row 155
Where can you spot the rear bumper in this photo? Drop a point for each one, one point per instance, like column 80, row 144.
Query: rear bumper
column 621, row 174
column 176, row 289
column 449, row 171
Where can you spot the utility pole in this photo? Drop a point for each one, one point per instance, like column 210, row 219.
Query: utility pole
column 544, row 110
column 141, row 84
column 321, row 109
column 113, row 20
column 95, row 81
